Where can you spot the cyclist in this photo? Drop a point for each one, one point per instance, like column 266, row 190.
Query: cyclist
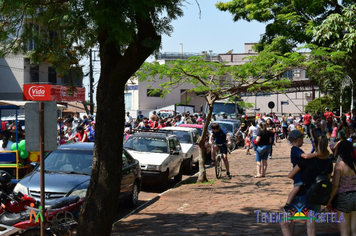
column 220, row 136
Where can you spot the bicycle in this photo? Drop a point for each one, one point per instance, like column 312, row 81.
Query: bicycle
column 218, row 161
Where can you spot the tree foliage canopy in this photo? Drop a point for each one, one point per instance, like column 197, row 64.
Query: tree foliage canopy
column 325, row 29
column 60, row 32
column 318, row 105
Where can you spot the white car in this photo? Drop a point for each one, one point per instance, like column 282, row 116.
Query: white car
column 188, row 138
column 159, row 154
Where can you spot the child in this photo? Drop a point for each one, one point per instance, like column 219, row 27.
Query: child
column 247, row 145
column 295, row 137
column 334, row 132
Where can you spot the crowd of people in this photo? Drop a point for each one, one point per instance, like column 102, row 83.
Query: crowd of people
column 333, row 140
column 75, row 129
column 156, row 121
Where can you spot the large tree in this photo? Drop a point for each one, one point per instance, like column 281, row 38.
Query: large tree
column 61, row 32
column 216, row 81
column 323, row 23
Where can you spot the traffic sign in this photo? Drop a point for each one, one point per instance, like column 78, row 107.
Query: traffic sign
column 271, row 105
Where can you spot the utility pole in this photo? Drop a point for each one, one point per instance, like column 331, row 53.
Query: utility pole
column 91, row 93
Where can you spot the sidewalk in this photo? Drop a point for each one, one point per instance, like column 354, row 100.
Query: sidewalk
column 224, row 206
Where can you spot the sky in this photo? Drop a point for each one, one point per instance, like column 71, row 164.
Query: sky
column 212, row 30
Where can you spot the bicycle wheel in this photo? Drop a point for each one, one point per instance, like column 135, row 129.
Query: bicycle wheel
column 218, row 166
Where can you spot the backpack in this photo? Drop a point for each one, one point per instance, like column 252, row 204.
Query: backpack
column 319, row 192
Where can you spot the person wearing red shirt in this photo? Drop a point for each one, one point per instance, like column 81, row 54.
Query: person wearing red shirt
column 329, row 116
column 80, row 136
column 307, row 122
column 162, row 124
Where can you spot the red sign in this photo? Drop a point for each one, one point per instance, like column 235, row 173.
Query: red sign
column 36, row 92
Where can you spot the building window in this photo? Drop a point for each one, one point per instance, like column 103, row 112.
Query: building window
column 34, row 73
column 154, row 92
column 288, row 74
column 35, row 31
column 52, row 75
column 128, row 101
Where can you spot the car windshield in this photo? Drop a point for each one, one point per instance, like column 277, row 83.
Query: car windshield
column 183, row 136
column 228, row 108
column 146, row 144
column 74, row 161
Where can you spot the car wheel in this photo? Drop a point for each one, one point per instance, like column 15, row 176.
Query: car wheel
column 178, row 177
column 189, row 166
column 133, row 199
column 164, row 182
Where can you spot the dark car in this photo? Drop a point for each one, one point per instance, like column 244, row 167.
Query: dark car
column 231, row 126
column 67, row 173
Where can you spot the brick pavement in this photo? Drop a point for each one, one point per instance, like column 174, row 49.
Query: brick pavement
column 223, row 207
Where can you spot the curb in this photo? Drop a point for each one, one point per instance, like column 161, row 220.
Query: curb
column 151, row 201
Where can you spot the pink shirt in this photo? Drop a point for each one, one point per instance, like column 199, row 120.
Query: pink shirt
column 333, row 134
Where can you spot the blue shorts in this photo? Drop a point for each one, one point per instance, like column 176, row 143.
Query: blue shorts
column 298, row 179
column 223, row 149
column 300, row 202
column 262, row 152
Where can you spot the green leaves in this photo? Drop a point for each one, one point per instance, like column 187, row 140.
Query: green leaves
column 260, row 73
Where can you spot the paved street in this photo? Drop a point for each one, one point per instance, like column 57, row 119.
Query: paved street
column 223, row 207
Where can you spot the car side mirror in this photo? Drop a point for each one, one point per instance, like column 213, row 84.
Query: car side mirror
column 175, row 153
column 33, row 164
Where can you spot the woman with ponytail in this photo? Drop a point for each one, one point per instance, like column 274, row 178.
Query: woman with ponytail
column 343, row 194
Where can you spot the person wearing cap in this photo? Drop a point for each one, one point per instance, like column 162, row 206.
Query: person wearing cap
column 243, row 129
column 154, row 117
column 80, row 136
column 200, row 121
column 127, row 133
column 310, row 169
column 179, row 120
column 139, row 118
column 296, row 139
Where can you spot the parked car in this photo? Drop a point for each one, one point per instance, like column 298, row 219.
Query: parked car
column 206, row 145
column 188, row 138
column 160, row 156
column 231, row 127
column 67, row 173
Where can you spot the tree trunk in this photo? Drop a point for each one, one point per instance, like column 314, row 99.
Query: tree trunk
column 202, row 172
column 101, row 203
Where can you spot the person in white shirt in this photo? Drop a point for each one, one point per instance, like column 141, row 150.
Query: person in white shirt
column 76, row 121
column 252, row 133
column 291, row 127
column 5, row 143
column 128, row 120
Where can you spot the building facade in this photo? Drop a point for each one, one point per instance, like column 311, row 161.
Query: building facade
column 292, row 101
